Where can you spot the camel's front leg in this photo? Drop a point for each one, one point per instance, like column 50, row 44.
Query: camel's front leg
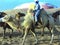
column 4, row 32
column 26, row 31
column 52, row 32
column 33, row 32
column 42, row 31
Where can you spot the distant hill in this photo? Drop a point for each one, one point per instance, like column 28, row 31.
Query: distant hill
column 14, row 11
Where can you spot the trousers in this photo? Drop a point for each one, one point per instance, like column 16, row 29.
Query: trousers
column 36, row 15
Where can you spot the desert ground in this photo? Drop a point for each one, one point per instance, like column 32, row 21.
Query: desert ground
column 30, row 40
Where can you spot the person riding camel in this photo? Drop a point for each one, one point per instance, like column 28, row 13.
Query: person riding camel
column 36, row 11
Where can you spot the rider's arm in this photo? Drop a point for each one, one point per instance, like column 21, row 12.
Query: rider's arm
column 37, row 7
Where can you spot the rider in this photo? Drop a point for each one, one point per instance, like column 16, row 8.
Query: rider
column 37, row 10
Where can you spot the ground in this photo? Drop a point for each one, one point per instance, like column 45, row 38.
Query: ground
column 17, row 39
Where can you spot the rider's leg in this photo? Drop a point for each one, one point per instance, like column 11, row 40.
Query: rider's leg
column 36, row 16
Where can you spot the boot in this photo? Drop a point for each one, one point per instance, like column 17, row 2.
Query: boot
column 36, row 23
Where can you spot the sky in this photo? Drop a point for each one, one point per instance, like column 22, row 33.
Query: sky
column 10, row 4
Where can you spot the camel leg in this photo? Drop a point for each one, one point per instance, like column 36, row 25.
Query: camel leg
column 23, row 32
column 12, row 31
column 33, row 32
column 52, row 32
column 11, row 34
column 42, row 31
column 26, row 31
column 4, row 32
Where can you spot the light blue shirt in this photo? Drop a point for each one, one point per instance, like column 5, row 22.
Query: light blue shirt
column 37, row 6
